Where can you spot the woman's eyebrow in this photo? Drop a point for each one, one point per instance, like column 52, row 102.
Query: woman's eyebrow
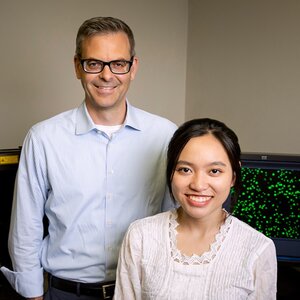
column 214, row 163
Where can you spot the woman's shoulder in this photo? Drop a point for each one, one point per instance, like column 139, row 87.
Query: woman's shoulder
column 248, row 233
column 150, row 221
column 243, row 226
column 148, row 227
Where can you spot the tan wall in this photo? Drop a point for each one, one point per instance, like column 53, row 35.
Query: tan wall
column 243, row 64
column 243, row 68
column 37, row 79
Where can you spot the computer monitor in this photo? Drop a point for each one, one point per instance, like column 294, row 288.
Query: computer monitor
column 270, row 200
column 9, row 160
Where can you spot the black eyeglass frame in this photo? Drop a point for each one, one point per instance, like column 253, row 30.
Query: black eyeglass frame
column 107, row 63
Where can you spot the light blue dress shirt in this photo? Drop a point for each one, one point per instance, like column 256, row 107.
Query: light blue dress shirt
column 91, row 188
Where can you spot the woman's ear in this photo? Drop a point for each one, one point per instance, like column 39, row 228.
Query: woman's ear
column 233, row 179
column 234, row 176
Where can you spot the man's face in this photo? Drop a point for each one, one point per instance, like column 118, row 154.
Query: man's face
column 105, row 91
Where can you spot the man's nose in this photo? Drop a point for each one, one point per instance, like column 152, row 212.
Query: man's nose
column 106, row 73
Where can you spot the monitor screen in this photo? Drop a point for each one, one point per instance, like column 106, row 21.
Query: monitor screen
column 270, row 200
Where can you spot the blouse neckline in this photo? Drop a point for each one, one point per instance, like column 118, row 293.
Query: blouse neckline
column 195, row 259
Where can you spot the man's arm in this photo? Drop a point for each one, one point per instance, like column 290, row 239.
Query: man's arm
column 26, row 229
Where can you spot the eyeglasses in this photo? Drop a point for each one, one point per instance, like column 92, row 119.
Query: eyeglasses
column 93, row 66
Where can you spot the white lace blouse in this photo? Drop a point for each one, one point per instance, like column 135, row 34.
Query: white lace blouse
column 241, row 263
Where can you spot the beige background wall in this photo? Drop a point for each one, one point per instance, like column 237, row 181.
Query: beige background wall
column 235, row 60
column 37, row 78
column 243, row 67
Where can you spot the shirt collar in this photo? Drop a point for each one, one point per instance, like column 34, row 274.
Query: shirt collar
column 84, row 122
column 132, row 118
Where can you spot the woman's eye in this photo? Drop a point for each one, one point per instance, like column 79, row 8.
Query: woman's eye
column 215, row 171
column 184, row 170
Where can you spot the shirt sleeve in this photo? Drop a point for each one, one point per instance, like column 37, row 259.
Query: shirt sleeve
column 26, row 229
column 128, row 277
column 266, row 274
column 25, row 283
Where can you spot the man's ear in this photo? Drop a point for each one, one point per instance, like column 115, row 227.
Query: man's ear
column 77, row 66
column 134, row 67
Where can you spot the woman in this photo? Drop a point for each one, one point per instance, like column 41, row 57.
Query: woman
column 199, row 250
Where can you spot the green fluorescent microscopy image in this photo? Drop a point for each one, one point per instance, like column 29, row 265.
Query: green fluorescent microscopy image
column 269, row 201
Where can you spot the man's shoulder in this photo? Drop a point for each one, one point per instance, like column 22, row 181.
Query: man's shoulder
column 146, row 114
column 146, row 118
column 59, row 119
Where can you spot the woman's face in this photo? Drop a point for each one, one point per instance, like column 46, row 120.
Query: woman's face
column 203, row 177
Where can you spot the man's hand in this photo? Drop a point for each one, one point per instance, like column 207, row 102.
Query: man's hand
column 36, row 298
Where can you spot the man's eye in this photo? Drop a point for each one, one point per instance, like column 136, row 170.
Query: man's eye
column 93, row 64
column 119, row 64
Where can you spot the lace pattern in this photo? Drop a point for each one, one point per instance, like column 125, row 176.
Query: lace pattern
column 206, row 257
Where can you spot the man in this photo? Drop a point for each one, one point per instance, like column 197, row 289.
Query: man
column 91, row 171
